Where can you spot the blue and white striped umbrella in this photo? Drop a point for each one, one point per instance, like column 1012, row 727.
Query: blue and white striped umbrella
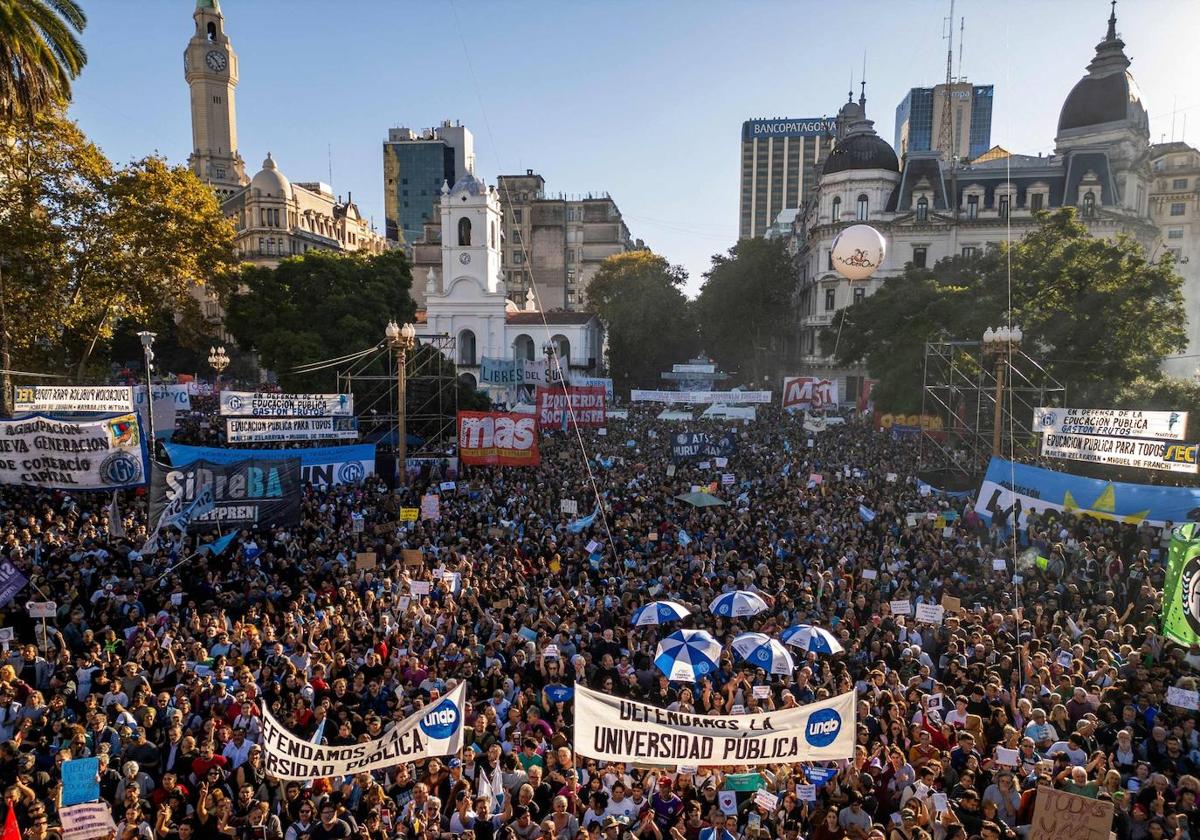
column 687, row 655
column 761, row 651
column 810, row 638
column 659, row 612
column 736, row 604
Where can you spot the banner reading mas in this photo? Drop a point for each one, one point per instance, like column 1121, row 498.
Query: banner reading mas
column 493, row 438
column 614, row 729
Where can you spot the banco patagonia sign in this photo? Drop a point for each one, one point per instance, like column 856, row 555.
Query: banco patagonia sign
column 789, row 127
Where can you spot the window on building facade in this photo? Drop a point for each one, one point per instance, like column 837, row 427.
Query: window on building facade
column 1179, row 183
column 1176, row 253
column 1003, row 209
column 1178, row 208
column 835, row 211
column 922, row 209
column 466, row 348
column 1035, row 201
column 972, row 207
column 860, row 294
column 464, row 231
column 1175, row 233
column 518, row 258
column 861, row 212
column 920, row 253
column 517, row 216
column 830, row 299
column 969, row 251
column 1089, row 205
column 829, row 260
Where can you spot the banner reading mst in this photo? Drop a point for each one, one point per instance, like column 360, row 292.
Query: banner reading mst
column 614, row 729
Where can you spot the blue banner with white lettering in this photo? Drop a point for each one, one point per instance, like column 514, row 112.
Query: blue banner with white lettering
column 1011, row 490
column 508, row 373
column 321, row 465
column 687, row 445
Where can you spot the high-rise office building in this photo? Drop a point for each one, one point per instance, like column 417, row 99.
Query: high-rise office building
column 919, row 119
column 781, row 159
column 414, row 167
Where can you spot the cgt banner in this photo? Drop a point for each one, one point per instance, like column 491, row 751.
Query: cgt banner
column 47, row 398
column 1111, row 422
column 493, row 438
column 586, row 406
column 435, row 730
column 258, row 491
column 698, row 397
column 1011, row 490
column 614, row 729
column 252, row 404
column 103, row 454
column 321, row 466
column 267, row 429
column 1122, row 451
column 687, row 445
column 809, row 392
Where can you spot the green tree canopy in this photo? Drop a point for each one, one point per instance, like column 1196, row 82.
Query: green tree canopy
column 1096, row 313
column 321, row 305
column 745, row 307
column 89, row 248
column 648, row 318
column 40, row 55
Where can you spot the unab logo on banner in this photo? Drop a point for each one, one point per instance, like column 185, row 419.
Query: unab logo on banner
column 823, row 728
column 442, row 722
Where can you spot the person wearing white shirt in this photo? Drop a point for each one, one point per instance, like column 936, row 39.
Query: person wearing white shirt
column 621, row 806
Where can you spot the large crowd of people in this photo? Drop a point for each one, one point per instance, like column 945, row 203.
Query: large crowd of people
column 162, row 663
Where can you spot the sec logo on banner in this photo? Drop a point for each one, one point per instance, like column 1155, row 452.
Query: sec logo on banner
column 442, row 722
column 823, row 727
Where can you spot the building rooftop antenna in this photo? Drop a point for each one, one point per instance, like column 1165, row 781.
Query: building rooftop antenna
column 945, row 140
column 962, row 25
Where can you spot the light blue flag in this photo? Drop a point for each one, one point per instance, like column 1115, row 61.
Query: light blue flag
column 218, row 547
column 684, row 539
column 866, row 513
column 582, row 522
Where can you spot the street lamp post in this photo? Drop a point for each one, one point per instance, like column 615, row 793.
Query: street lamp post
column 1000, row 342
column 401, row 340
column 147, row 339
column 218, row 360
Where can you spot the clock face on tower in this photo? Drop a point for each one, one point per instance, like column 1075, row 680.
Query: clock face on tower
column 464, row 258
column 215, row 60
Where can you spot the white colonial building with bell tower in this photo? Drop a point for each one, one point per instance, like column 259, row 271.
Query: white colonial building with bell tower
column 467, row 300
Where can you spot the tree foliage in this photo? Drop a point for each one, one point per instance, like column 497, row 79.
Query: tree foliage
column 649, row 321
column 89, row 248
column 40, row 55
column 1095, row 313
column 321, row 305
column 745, row 306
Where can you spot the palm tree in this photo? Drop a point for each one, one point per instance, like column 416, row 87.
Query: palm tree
column 39, row 54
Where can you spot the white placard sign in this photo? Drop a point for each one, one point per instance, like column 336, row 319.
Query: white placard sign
column 930, row 613
column 1111, row 422
column 435, row 730
column 569, row 506
column 614, row 729
column 1123, row 452
column 806, row 793
column 276, row 429
column 86, row 821
column 1183, row 698
column 902, row 607
column 766, row 799
column 43, row 451
column 41, row 609
column 253, row 404
column 83, row 398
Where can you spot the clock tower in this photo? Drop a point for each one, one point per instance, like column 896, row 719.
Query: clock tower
column 210, row 68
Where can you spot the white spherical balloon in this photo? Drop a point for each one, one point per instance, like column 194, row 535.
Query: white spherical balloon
column 858, row 251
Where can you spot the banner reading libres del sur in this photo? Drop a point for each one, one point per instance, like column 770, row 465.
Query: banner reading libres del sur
column 614, row 729
column 435, row 730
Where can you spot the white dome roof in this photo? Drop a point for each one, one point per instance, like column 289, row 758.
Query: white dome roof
column 270, row 181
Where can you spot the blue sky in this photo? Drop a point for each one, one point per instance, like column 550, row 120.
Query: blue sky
column 642, row 99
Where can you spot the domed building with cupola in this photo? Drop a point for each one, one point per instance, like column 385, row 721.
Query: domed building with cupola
column 928, row 208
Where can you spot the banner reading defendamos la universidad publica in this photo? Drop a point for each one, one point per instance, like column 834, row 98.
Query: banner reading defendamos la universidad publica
column 614, row 729
column 435, row 730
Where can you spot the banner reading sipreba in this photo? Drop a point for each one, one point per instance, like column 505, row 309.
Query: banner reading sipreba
column 252, row 492
column 435, row 730
column 614, row 729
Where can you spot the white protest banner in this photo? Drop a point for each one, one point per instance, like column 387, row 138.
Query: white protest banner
column 419, row 587
column 1123, row 451
column 83, row 398
column 870, row 574
column 274, row 429
column 806, row 793
column 253, row 404
column 1111, row 422
column 998, row 564
column 761, row 692
column 41, row 609
column 930, row 613
column 766, row 799
column 698, row 397
column 86, row 821
column 569, row 506
column 902, row 607
column 41, row 451
column 613, row 729
column 435, row 730
column 1183, row 698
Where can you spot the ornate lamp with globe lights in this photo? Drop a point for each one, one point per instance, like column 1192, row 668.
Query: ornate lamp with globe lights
column 401, row 340
column 1001, row 342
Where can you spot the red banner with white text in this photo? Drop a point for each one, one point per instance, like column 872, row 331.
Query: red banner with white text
column 493, row 438
column 586, row 404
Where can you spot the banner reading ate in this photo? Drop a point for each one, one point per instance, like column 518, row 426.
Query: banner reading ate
column 613, row 729
column 435, row 730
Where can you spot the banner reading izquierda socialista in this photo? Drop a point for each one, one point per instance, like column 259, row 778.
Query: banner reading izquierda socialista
column 435, row 730
column 614, row 729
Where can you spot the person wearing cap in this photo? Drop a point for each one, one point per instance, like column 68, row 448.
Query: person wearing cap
column 665, row 804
